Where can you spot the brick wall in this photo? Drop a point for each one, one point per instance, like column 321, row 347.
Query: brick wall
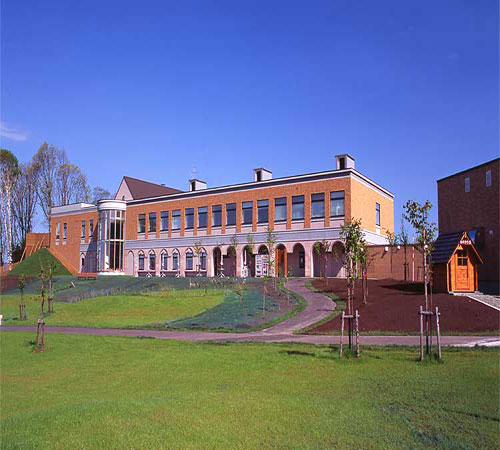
column 478, row 209
column 379, row 261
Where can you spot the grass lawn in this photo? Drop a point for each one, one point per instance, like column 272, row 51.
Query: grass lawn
column 110, row 392
column 117, row 311
column 31, row 265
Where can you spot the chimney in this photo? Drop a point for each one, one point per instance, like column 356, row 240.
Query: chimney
column 345, row 161
column 196, row 185
column 261, row 174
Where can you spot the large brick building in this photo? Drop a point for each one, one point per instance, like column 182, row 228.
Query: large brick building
column 469, row 201
column 150, row 229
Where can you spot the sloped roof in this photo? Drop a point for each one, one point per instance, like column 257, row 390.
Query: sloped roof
column 140, row 189
column 445, row 246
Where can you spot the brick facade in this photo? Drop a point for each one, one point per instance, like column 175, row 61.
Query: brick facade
column 477, row 209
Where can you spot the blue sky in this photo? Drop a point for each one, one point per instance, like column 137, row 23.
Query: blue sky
column 153, row 89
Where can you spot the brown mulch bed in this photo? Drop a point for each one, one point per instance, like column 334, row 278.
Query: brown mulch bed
column 393, row 306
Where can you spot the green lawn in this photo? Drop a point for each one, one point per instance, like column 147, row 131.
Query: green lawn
column 118, row 311
column 110, row 392
column 31, row 265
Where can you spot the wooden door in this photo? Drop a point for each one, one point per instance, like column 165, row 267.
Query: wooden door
column 464, row 282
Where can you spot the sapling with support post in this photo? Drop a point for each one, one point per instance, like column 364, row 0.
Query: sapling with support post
column 352, row 237
column 51, row 268
column 323, row 249
column 40, row 328
column 21, row 283
column 197, row 251
column 271, row 242
column 418, row 216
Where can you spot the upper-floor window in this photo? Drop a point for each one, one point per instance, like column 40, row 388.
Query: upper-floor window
column 280, row 209
column 152, row 222
column 189, row 218
column 176, row 219
column 189, row 260
column 202, row 217
column 246, row 212
column 65, row 231
column 164, row 221
column 377, row 214
column 488, row 178
column 83, row 229
column 317, row 206
column 58, row 231
column 216, row 215
column 298, row 207
column 263, row 211
column 142, row 223
column 91, row 228
column 337, row 201
column 231, row 214
column 467, row 184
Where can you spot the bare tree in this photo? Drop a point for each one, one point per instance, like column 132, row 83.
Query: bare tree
column 99, row 193
column 323, row 249
column 9, row 170
column 71, row 184
column 197, row 251
column 25, row 200
column 46, row 160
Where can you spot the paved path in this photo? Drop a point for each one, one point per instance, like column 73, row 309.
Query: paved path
column 490, row 300
column 318, row 307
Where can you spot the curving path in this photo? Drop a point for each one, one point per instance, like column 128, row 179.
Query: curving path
column 318, row 307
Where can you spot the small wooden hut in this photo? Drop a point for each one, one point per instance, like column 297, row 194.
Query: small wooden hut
column 454, row 263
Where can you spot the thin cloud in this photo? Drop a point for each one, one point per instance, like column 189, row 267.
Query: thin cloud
column 12, row 134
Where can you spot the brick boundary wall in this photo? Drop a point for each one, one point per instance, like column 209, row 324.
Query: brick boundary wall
column 379, row 262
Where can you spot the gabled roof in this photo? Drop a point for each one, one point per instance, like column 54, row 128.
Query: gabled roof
column 140, row 189
column 446, row 244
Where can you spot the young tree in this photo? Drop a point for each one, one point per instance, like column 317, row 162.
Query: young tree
column 197, row 250
column 271, row 242
column 21, row 282
column 363, row 262
column 51, row 267
column 354, row 243
column 404, row 240
column 392, row 240
column 323, row 249
column 250, row 249
column 418, row 216
column 9, row 171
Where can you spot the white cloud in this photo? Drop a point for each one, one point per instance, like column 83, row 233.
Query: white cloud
column 12, row 134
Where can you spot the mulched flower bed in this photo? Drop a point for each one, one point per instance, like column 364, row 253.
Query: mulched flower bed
column 393, row 306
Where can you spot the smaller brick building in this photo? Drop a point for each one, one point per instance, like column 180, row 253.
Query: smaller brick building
column 469, row 201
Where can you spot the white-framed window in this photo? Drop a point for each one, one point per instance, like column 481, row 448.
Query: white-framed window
column 58, row 231
column 164, row 260
column 280, row 209
column 377, row 214
column 152, row 261
column 83, row 229
column 203, row 260
column 65, row 231
column 337, row 201
column 488, row 178
column 91, row 228
column 189, row 260
column 467, row 184
column 141, row 261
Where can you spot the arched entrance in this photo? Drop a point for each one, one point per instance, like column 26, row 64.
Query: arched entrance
column 248, row 262
column 217, row 256
column 297, row 261
column 318, row 261
column 336, row 261
column 230, row 262
column 281, row 261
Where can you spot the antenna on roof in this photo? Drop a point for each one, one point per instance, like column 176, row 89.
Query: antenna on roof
column 193, row 173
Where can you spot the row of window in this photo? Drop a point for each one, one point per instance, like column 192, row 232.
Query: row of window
column 488, row 181
column 337, row 202
column 164, row 260
column 65, row 230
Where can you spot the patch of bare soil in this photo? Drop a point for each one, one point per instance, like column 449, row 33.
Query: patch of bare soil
column 393, row 306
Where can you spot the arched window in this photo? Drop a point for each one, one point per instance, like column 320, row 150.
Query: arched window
column 203, row 260
column 141, row 261
column 175, row 260
column 152, row 261
column 164, row 260
column 189, row 260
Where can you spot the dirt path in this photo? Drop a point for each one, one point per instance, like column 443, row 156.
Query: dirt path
column 318, row 307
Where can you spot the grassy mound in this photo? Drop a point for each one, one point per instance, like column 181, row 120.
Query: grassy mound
column 31, row 265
